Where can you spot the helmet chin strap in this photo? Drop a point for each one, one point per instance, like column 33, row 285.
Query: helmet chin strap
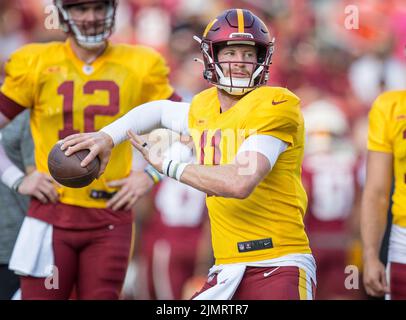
column 90, row 46
column 243, row 85
column 94, row 43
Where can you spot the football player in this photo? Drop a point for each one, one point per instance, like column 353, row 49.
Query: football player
column 249, row 141
column 329, row 175
column 17, row 142
column 385, row 159
column 79, row 237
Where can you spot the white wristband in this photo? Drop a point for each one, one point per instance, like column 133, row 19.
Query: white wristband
column 165, row 166
column 11, row 175
column 180, row 170
column 173, row 169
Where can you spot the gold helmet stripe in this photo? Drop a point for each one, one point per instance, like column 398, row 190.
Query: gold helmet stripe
column 206, row 31
column 240, row 15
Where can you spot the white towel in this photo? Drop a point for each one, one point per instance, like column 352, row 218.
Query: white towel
column 17, row 295
column 33, row 253
column 229, row 277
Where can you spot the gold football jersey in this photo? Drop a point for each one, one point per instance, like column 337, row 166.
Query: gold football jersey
column 67, row 96
column 269, row 223
column 387, row 133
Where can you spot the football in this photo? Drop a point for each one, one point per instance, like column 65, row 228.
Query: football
column 68, row 171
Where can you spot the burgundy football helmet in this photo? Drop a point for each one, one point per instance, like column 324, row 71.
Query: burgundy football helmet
column 79, row 28
column 236, row 26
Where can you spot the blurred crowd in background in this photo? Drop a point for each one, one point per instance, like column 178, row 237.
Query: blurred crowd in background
column 336, row 55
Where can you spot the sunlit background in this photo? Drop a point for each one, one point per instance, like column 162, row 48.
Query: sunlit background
column 337, row 56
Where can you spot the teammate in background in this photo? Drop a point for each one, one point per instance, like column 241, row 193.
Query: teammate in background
column 385, row 159
column 249, row 141
column 17, row 143
column 82, row 237
column 330, row 177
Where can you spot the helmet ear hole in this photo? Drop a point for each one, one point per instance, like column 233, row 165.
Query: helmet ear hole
column 261, row 54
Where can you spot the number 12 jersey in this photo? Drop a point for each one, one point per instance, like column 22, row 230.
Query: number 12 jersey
column 68, row 96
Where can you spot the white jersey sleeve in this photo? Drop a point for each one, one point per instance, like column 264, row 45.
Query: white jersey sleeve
column 149, row 116
column 267, row 145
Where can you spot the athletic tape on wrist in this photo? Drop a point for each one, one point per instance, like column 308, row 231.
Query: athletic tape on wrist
column 12, row 175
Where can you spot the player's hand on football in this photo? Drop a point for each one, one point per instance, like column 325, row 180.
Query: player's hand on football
column 137, row 184
column 142, row 146
column 99, row 143
column 375, row 278
column 40, row 186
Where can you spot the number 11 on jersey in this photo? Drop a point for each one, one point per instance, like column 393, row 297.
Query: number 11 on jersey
column 214, row 143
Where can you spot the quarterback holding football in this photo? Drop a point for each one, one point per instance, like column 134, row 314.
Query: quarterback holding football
column 249, row 142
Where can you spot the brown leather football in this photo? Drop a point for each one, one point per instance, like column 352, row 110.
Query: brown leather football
column 67, row 170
